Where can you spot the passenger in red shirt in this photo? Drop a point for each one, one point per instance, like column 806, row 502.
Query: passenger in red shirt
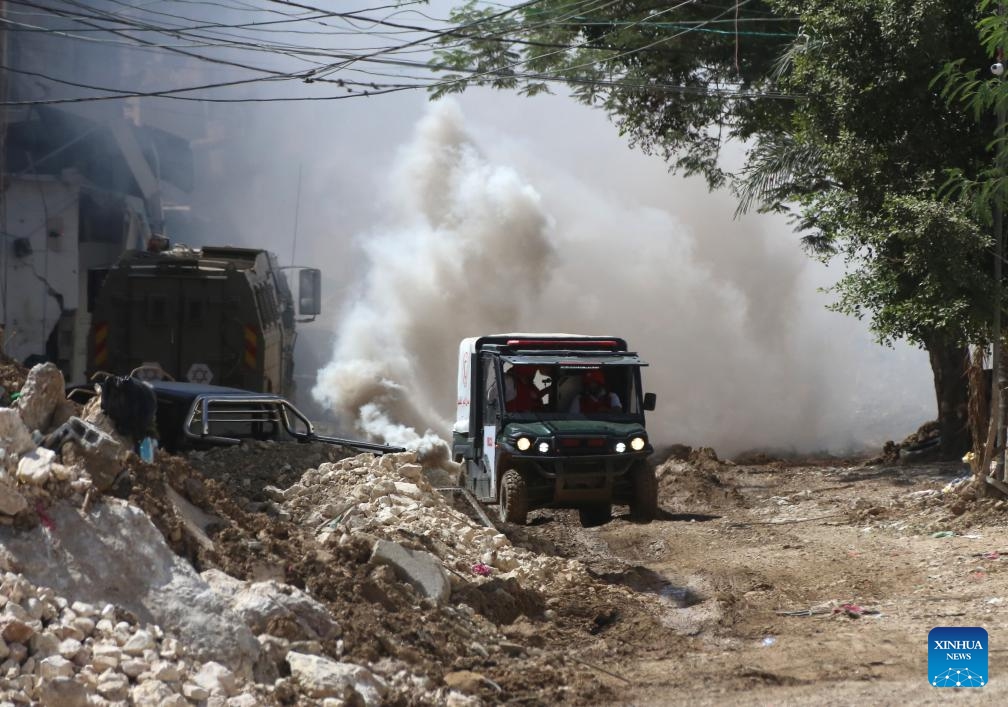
column 594, row 396
column 521, row 392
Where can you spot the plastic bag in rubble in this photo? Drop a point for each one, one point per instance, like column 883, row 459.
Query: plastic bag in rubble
column 131, row 405
column 147, row 448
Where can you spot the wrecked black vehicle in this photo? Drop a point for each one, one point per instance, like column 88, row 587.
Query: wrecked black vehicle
column 188, row 416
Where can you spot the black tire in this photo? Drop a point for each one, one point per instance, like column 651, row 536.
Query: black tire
column 595, row 514
column 643, row 494
column 513, row 506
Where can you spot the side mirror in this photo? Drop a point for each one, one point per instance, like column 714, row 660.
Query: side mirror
column 309, row 292
column 650, row 400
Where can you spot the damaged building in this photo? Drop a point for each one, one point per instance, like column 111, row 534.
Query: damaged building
column 81, row 183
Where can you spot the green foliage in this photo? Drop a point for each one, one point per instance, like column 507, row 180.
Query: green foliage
column 915, row 271
column 837, row 103
column 674, row 77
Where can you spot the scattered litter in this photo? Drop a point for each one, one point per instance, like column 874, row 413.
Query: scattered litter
column 956, row 484
column 769, row 641
column 854, row 611
column 813, row 611
column 481, row 569
column 995, row 601
column 148, row 446
column 943, row 534
column 993, row 555
column 973, row 536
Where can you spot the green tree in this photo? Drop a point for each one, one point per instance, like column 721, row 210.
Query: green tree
column 843, row 126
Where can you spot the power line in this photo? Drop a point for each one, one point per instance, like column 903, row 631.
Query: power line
column 87, row 17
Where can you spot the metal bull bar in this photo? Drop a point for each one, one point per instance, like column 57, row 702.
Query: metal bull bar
column 211, row 416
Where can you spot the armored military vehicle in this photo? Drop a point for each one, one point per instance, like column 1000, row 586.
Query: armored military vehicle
column 217, row 315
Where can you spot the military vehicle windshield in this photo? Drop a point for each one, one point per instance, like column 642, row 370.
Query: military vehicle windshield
column 589, row 390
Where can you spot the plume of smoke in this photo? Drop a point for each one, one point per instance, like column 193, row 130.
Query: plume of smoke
column 743, row 354
column 467, row 249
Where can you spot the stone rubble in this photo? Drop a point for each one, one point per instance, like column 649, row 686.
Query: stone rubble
column 389, row 497
column 96, row 609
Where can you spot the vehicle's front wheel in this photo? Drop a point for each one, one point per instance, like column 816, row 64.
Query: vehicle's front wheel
column 643, row 494
column 513, row 498
column 595, row 514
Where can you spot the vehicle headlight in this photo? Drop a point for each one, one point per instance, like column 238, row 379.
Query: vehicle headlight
column 543, row 447
column 620, row 447
column 637, row 444
column 523, row 444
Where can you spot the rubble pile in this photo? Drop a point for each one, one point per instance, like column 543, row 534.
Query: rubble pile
column 33, row 475
column 389, row 497
column 61, row 653
column 696, row 483
column 268, row 574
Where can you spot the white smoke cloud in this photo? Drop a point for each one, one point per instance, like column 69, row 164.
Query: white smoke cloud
column 497, row 233
column 466, row 249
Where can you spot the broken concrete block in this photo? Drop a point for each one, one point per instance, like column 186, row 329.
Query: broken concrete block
column 113, row 686
column 320, row 677
column 11, row 500
column 35, row 467
column 150, row 692
column 261, row 604
column 138, row 643
column 55, row 666
column 120, row 557
column 83, row 443
column 421, row 569
column 41, row 395
column 87, row 435
column 215, row 677
column 15, row 438
column 63, row 692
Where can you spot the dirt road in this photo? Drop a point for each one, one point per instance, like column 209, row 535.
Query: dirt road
column 748, row 571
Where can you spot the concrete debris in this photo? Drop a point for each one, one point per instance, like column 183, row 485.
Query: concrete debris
column 113, row 554
column 320, row 677
column 41, row 668
column 364, row 495
column 93, row 414
column 11, row 501
column 262, row 604
column 41, row 394
column 420, row 569
column 15, row 437
column 36, row 467
column 380, row 601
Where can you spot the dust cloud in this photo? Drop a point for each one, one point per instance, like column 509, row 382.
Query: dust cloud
column 486, row 232
column 467, row 249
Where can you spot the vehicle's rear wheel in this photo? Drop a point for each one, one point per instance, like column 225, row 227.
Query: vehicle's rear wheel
column 643, row 494
column 595, row 514
column 513, row 498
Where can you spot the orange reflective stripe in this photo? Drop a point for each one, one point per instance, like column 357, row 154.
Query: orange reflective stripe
column 251, row 346
column 101, row 343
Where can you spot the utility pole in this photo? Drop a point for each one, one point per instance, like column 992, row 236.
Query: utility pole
column 999, row 401
column 4, row 245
